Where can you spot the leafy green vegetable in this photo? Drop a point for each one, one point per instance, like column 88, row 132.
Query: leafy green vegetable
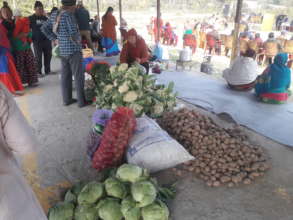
column 130, row 87
column 115, row 188
column 110, row 209
column 129, row 209
column 143, row 192
column 76, row 189
column 70, row 197
column 62, row 211
column 156, row 211
column 129, row 173
column 86, row 212
column 91, row 193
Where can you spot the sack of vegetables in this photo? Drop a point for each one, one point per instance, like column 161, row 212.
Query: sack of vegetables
column 128, row 194
column 115, row 138
column 99, row 121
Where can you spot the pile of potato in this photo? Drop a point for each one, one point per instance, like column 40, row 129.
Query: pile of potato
column 223, row 157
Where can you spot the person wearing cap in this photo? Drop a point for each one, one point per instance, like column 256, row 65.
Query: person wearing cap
column 83, row 20
column 135, row 50
column 62, row 27
column 42, row 45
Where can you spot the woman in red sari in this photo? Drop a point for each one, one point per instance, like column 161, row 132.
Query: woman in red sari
column 8, row 73
column 135, row 50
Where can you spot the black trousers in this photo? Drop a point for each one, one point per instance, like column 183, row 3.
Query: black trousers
column 43, row 48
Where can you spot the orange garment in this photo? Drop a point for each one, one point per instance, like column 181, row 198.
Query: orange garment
column 22, row 25
column 156, row 28
column 131, row 52
column 108, row 27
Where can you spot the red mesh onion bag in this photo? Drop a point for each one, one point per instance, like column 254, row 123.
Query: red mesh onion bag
column 115, row 139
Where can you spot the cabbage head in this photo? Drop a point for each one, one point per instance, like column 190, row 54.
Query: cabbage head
column 70, row 197
column 156, row 211
column 62, row 211
column 129, row 209
column 143, row 192
column 86, row 212
column 76, row 189
column 110, row 209
column 129, row 173
column 91, row 193
column 115, row 188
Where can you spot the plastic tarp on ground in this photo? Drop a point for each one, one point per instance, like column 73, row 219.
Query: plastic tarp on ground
column 273, row 121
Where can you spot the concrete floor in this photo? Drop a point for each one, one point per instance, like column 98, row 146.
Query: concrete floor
column 62, row 161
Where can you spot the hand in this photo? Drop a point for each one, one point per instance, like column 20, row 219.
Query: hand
column 138, row 60
column 55, row 42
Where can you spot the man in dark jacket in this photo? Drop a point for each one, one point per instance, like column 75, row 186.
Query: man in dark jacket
column 83, row 19
column 42, row 46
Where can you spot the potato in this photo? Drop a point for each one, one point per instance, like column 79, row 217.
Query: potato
column 223, row 156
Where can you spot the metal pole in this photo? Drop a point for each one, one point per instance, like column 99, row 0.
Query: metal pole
column 98, row 10
column 120, row 11
column 158, row 20
column 235, row 48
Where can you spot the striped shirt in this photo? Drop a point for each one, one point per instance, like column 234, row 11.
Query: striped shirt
column 68, row 35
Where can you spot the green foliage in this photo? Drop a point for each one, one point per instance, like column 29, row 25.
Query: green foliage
column 130, row 87
column 62, row 211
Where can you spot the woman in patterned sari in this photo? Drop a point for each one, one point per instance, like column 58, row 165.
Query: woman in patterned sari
column 25, row 61
column 273, row 85
column 109, row 40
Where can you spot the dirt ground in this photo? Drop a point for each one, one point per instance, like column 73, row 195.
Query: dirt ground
column 62, row 161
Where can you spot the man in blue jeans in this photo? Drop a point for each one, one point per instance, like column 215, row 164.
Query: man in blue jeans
column 62, row 27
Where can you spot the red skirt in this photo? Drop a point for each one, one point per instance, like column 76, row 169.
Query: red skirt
column 11, row 79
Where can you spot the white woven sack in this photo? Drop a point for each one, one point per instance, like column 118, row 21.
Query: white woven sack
column 152, row 148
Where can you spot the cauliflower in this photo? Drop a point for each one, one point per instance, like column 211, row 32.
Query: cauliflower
column 136, row 108
column 108, row 87
column 112, row 69
column 130, row 96
column 158, row 109
column 123, row 88
column 123, row 67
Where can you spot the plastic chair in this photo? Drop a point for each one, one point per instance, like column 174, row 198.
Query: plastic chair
column 270, row 51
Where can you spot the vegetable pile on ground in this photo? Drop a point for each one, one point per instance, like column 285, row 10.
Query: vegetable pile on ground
column 128, row 193
column 131, row 87
column 223, row 157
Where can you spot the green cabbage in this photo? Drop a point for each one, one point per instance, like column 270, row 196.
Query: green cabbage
column 86, row 212
column 110, row 209
column 129, row 209
column 143, row 192
column 70, row 197
column 76, row 189
column 129, row 173
column 156, row 211
column 62, row 211
column 91, row 193
column 115, row 188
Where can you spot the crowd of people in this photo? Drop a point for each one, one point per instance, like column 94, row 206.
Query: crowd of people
column 70, row 29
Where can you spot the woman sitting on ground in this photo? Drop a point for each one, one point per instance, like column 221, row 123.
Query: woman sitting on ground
column 135, row 50
column 243, row 73
column 273, row 85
